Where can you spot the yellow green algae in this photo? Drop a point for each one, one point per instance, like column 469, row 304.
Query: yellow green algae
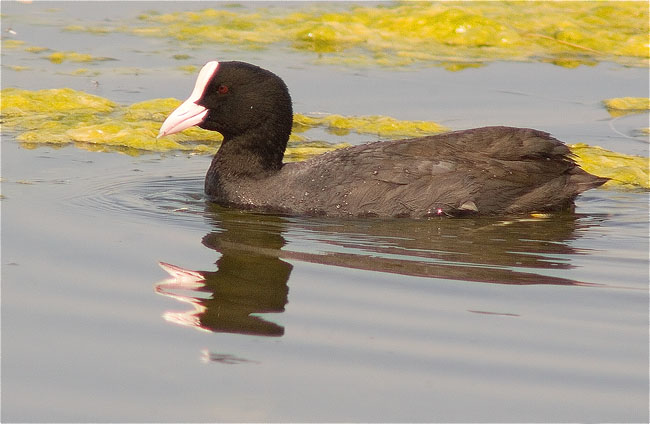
column 624, row 170
column 60, row 57
column 382, row 126
column 82, row 72
column 64, row 116
column 18, row 103
column 36, row 49
column 12, row 44
column 61, row 116
column 449, row 33
column 627, row 105
column 188, row 69
column 90, row 29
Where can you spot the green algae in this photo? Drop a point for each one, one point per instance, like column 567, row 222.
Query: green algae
column 91, row 29
column 58, row 117
column 82, row 72
column 188, row 69
column 625, row 171
column 119, row 133
column 301, row 150
column 63, row 116
column 36, row 49
column 60, row 57
column 20, row 44
column 567, row 34
column 11, row 44
column 382, row 126
column 621, row 106
column 454, row 35
column 150, row 110
column 17, row 102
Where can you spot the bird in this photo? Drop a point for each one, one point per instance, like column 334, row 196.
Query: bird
column 486, row 171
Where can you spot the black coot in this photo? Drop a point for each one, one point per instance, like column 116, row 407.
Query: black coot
column 482, row 171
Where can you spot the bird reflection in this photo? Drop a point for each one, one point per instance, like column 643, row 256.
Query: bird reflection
column 252, row 272
column 250, row 278
column 487, row 250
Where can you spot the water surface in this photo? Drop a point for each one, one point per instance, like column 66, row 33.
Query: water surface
column 271, row 318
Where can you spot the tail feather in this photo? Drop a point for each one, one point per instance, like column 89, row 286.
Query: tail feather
column 583, row 181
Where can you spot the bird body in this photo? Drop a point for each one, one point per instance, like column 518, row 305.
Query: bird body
column 481, row 171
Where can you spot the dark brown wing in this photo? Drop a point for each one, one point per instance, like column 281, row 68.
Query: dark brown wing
column 487, row 170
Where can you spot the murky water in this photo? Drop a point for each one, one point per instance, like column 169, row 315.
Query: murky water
column 269, row 318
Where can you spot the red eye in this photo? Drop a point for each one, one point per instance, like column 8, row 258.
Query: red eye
column 222, row 89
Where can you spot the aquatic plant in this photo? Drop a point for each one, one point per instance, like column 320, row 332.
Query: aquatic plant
column 627, row 105
column 382, row 126
column 67, row 116
column 60, row 57
column 453, row 34
column 624, row 170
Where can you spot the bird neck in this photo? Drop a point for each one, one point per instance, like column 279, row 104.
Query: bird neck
column 258, row 151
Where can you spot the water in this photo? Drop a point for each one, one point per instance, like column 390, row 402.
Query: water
column 271, row 318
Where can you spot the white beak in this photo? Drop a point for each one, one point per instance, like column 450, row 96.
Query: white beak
column 189, row 113
column 186, row 115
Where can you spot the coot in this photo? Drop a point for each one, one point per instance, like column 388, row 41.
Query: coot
column 482, row 171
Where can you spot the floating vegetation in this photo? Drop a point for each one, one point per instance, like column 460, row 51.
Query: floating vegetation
column 44, row 116
column 382, row 126
column 36, row 49
column 60, row 57
column 627, row 105
column 90, row 29
column 18, row 103
column 65, row 116
column 12, row 44
column 567, row 34
column 624, row 170
column 298, row 150
column 83, row 72
column 62, row 116
column 188, row 69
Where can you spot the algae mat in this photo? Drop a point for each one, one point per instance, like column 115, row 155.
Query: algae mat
column 455, row 35
column 64, row 116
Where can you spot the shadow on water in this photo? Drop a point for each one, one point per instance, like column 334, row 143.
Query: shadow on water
column 253, row 269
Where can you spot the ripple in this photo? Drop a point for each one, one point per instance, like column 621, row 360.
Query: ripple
column 142, row 195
